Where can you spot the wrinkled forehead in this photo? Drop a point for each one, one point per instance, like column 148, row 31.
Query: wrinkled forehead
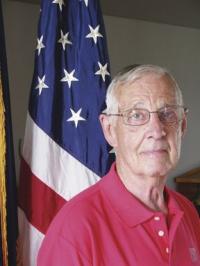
column 149, row 89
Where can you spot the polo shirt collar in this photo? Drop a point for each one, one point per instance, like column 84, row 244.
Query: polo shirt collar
column 129, row 209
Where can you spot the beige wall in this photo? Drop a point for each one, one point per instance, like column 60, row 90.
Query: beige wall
column 129, row 41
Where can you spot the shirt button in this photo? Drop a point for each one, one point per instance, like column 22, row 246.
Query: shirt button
column 167, row 250
column 157, row 218
column 161, row 233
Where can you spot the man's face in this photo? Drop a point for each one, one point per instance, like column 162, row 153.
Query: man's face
column 154, row 148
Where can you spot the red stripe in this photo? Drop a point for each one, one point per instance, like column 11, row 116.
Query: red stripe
column 39, row 202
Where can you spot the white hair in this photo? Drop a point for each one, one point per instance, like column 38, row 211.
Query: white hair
column 129, row 75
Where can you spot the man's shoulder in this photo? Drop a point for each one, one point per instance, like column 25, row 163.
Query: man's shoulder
column 76, row 220
column 80, row 210
column 84, row 199
column 180, row 198
column 185, row 204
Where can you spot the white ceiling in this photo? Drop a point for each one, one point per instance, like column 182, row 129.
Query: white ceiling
column 184, row 13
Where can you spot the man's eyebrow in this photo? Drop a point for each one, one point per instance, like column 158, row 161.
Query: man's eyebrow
column 137, row 104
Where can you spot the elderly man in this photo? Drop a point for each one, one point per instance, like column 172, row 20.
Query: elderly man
column 130, row 217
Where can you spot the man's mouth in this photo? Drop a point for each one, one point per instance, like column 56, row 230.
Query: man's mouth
column 155, row 152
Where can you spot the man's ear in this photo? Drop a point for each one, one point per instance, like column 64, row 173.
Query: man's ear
column 184, row 125
column 108, row 129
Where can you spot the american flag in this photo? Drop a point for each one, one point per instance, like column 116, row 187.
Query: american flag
column 64, row 150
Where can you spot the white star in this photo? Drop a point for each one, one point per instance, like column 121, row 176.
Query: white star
column 76, row 117
column 94, row 33
column 69, row 77
column 102, row 71
column 86, row 2
column 40, row 45
column 64, row 39
column 112, row 151
column 59, row 2
column 41, row 85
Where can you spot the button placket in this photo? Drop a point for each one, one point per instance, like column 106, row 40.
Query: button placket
column 162, row 232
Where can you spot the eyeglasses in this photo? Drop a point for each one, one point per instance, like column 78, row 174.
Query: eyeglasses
column 168, row 115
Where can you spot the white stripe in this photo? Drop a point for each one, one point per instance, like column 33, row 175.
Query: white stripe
column 53, row 165
column 30, row 240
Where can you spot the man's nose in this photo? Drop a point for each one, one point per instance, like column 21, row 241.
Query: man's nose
column 155, row 126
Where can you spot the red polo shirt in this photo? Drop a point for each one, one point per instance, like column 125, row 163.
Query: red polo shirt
column 107, row 225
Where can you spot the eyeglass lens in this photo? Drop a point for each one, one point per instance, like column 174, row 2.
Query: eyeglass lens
column 141, row 116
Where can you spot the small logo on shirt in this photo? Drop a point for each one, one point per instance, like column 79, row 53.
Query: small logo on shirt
column 193, row 254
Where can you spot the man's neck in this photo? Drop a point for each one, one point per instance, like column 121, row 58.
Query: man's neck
column 149, row 190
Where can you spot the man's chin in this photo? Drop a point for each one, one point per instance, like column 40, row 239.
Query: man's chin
column 157, row 170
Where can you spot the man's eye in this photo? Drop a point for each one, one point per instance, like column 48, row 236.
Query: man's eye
column 169, row 115
column 136, row 115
